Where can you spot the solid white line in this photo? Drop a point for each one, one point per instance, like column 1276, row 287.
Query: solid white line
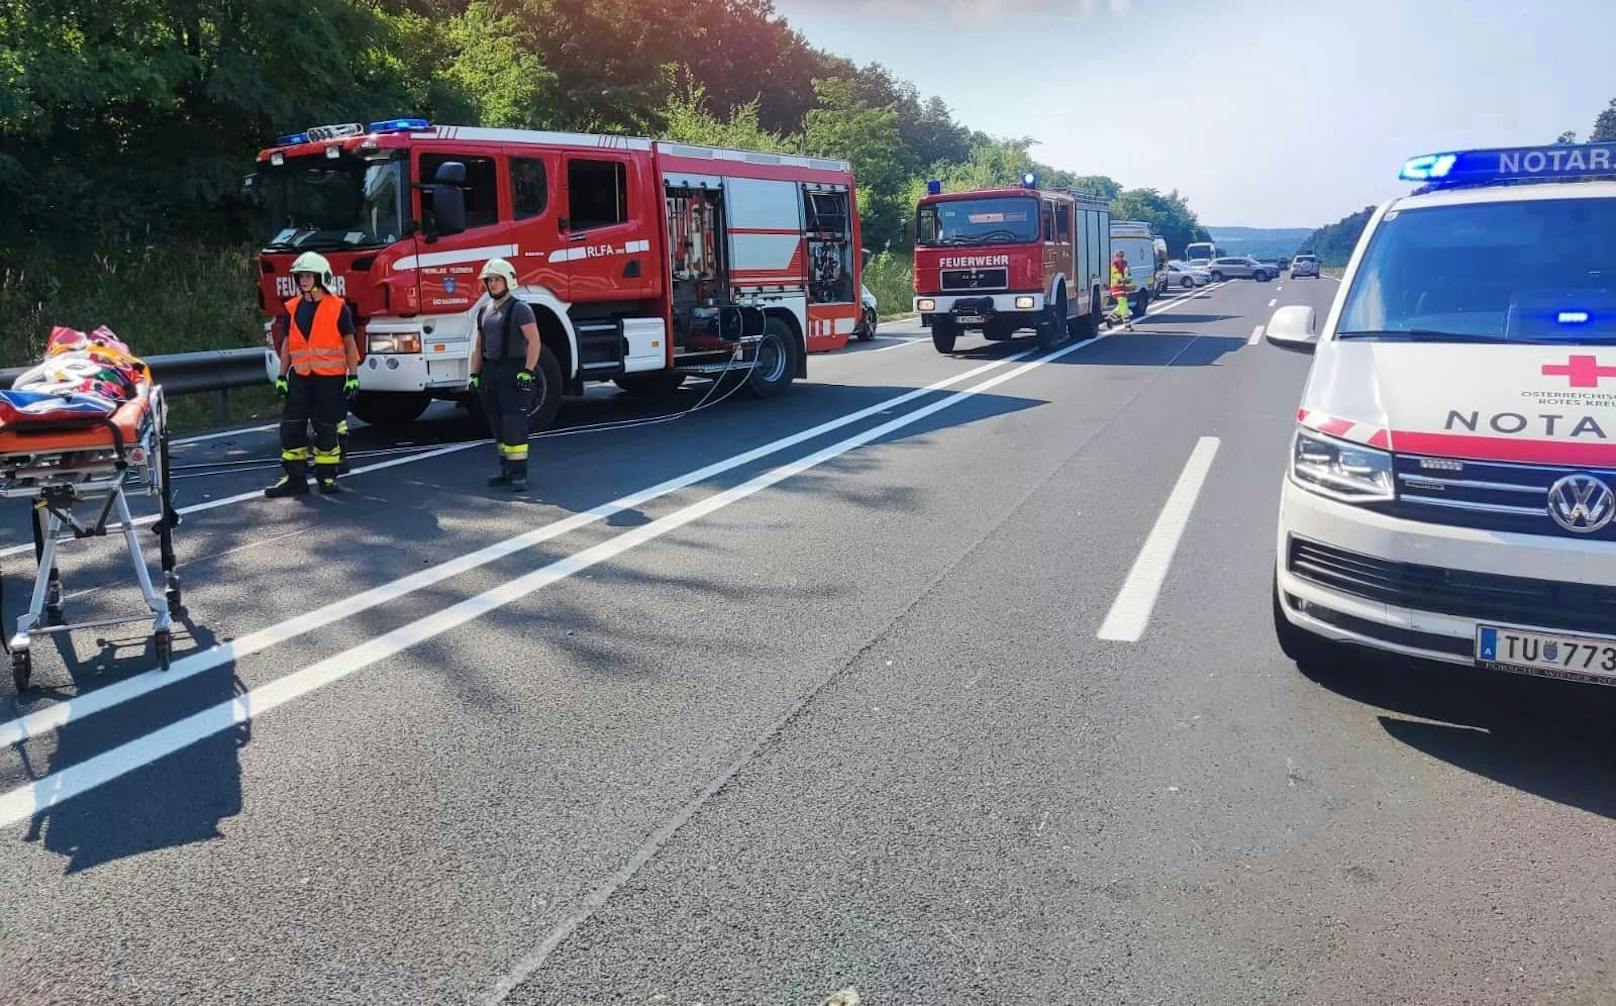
column 54, row 716
column 26, row 801
column 1273, row 302
column 901, row 344
column 1131, row 610
column 1256, row 336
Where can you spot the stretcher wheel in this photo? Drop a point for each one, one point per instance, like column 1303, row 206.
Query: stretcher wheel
column 163, row 640
column 22, row 669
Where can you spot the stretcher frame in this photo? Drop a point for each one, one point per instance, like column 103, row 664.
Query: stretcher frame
column 61, row 468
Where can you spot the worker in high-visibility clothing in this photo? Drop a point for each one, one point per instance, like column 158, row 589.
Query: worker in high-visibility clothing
column 319, row 372
column 1121, row 286
column 504, row 359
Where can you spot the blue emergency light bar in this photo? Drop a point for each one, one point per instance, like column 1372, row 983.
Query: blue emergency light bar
column 1512, row 164
column 934, row 187
column 400, row 126
column 291, row 139
column 1029, row 181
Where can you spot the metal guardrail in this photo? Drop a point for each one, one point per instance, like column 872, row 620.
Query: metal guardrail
column 193, row 373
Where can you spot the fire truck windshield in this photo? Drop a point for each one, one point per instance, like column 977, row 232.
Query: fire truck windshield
column 1000, row 220
column 321, row 204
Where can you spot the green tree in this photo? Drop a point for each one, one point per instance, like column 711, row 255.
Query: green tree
column 1333, row 243
column 1168, row 215
column 842, row 124
column 503, row 82
column 686, row 117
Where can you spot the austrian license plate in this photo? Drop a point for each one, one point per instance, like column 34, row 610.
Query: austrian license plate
column 970, row 319
column 1550, row 655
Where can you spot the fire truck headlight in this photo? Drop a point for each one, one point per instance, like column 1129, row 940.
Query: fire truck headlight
column 1024, row 303
column 925, row 304
column 391, row 342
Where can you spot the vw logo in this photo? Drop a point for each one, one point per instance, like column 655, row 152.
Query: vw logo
column 1581, row 504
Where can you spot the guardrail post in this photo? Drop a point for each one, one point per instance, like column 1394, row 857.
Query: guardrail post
column 221, row 405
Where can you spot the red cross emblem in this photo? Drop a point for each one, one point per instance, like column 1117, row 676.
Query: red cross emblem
column 1584, row 371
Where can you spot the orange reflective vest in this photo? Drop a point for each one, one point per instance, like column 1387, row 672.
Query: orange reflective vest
column 1121, row 281
column 319, row 353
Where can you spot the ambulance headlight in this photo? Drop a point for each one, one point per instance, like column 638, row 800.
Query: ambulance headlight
column 1340, row 470
column 1024, row 303
column 925, row 304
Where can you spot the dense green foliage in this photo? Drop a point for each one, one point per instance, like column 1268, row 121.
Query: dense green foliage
column 126, row 127
column 1333, row 243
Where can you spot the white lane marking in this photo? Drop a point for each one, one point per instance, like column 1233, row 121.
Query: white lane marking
column 1256, row 336
column 181, row 442
column 25, row 801
column 901, row 344
column 259, row 493
column 1273, row 302
column 54, row 716
column 1279, row 289
column 1131, row 610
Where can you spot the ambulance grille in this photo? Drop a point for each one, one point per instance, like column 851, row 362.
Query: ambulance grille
column 1519, row 600
column 1493, row 496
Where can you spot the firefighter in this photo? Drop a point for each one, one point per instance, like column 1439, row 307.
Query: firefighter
column 505, row 355
column 1121, row 286
column 319, row 373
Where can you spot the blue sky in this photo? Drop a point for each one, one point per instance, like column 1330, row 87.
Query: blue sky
column 1270, row 114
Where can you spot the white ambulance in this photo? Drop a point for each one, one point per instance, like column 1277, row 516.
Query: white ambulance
column 1451, row 486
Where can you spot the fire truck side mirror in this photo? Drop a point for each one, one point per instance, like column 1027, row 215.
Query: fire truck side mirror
column 448, row 210
column 450, row 173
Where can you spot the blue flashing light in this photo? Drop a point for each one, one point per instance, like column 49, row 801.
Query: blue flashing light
column 1555, row 161
column 400, row 126
column 291, row 139
column 1029, row 181
column 934, row 187
column 1573, row 317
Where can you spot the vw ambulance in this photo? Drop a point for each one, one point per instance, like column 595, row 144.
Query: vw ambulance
column 1451, row 485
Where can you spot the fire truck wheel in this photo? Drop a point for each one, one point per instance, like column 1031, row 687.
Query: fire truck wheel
column 1052, row 326
column 547, row 387
column 1091, row 325
column 656, row 385
column 389, row 408
column 943, row 334
column 776, row 362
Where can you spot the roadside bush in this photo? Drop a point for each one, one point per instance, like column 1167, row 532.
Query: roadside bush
column 891, row 278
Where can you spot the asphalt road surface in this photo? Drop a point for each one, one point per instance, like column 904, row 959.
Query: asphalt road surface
column 946, row 679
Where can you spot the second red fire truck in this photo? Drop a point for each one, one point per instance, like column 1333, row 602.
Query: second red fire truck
column 1002, row 260
column 645, row 261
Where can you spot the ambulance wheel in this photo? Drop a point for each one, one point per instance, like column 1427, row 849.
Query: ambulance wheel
column 390, row 408
column 163, row 643
column 943, row 334
column 22, row 669
column 1303, row 648
column 774, row 366
column 1144, row 302
column 657, row 385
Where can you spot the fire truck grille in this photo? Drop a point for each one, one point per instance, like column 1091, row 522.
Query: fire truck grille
column 975, row 279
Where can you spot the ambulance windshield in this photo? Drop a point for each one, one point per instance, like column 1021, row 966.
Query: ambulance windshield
column 1002, row 220
column 1533, row 271
column 324, row 204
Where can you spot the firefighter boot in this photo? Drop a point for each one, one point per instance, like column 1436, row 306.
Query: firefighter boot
column 504, row 476
column 518, row 476
column 326, row 475
column 342, row 445
column 294, row 483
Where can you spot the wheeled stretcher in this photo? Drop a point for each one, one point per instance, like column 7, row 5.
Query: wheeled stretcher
column 78, row 471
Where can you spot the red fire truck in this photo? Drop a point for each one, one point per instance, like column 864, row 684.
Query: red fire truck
column 645, row 261
column 1002, row 260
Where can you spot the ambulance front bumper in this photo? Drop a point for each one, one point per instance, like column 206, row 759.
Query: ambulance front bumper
column 1423, row 590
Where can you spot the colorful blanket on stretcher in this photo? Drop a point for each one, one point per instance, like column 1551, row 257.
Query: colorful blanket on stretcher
column 83, row 377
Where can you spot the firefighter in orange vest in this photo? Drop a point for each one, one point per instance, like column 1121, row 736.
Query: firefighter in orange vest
column 1121, row 286
column 319, row 373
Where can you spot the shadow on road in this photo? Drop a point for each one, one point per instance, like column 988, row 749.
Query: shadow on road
column 1549, row 738
column 174, row 801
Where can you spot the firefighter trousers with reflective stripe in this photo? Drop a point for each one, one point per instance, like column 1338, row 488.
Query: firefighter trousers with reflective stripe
column 506, row 408
column 318, row 401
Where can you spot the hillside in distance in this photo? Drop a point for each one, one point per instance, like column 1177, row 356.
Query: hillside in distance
column 1262, row 242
